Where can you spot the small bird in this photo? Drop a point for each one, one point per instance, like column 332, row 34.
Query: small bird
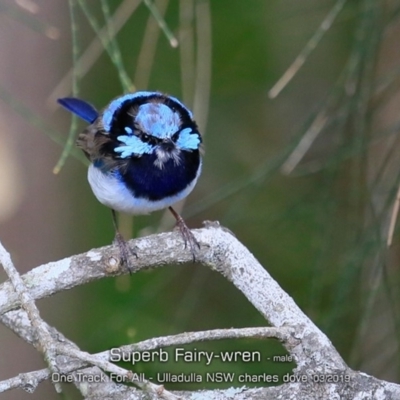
column 144, row 150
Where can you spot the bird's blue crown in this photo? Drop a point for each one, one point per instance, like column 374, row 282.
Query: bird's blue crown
column 138, row 122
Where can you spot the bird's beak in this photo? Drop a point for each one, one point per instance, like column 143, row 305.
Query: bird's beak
column 167, row 145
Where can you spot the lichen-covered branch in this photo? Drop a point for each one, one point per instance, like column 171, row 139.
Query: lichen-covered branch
column 315, row 356
column 46, row 343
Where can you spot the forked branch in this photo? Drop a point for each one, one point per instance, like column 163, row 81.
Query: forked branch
column 312, row 351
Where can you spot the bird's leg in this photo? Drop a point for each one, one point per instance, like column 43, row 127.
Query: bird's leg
column 124, row 248
column 186, row 233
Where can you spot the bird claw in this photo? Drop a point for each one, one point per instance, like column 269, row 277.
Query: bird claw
column 188, row 237
column 186, row 233
column 125, row 252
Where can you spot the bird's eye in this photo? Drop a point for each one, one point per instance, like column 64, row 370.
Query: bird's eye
column 145, row 138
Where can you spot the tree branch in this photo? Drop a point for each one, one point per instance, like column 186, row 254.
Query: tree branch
column 219, row 250
column 21, row 380
column 46, row 344
column 316, row 358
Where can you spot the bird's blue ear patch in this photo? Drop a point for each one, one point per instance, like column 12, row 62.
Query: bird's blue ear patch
column 80, row 108
column 188, row 140
column 132, row 145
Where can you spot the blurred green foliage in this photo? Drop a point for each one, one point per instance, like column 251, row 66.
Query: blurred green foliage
column 318, row 225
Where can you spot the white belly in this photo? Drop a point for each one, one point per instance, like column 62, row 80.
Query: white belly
column 112, row 193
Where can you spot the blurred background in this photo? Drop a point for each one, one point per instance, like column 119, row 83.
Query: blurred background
column 298, row 104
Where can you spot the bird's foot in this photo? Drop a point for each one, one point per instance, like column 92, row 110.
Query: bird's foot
column 187, row 235
column 124, row 251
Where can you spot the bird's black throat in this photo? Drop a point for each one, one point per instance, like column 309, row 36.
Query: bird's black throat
column 144, row 180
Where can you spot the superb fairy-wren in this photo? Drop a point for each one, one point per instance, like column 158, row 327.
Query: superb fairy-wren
column 144, row 150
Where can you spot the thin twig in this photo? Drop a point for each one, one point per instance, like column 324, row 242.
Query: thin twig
column 146, row 56
column 307, row 50
column 93, row 51
column 173, row 41
column 305, row 143
column 105, row 365
column 46, row 343
column 282, row 333
column 393, row 218
column 75, row 90
column 27, row 381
